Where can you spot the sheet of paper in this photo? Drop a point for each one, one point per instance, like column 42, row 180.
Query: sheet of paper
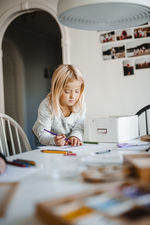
column 102, row 159
column 135, row 148
column 15, row 173
column 69, row 147
column 53, row 147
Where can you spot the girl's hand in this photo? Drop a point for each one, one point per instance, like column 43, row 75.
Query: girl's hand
column 2, row 165
column 60, row 140
column 74, row 141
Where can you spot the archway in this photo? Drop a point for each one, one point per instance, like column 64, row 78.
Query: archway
column 44, row 73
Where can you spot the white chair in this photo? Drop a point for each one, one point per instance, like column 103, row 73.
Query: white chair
column 13, row 139
column 144, row 120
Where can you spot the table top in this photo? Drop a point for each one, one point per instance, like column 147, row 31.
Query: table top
column 42, row 183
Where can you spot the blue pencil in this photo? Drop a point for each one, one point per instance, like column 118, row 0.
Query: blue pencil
column 53, row 133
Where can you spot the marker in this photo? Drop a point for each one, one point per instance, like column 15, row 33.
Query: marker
column 26, row 161
column 102, row 152
column 91, row 142
column 53, row 133
column 23, row 163
column 70, row 154
column 16, row 164
column 56, row 151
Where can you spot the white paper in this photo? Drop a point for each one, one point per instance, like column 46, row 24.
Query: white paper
column 135, row 145
column 102, row 159
column 15, row 173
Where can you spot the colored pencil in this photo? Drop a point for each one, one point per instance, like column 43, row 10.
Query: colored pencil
column 56, row 151
column 53, row 133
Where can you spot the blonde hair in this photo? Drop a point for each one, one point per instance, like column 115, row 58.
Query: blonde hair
column 61, row 76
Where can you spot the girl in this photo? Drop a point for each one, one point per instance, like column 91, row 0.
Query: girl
column 63, row 110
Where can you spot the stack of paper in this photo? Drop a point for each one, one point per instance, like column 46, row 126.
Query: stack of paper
column 134, row 145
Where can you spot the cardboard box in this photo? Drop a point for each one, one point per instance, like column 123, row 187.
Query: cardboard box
column 141, row 165
column 100, row 206
column 112, row 129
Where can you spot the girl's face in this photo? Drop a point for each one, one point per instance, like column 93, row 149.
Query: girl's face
column 70, row 93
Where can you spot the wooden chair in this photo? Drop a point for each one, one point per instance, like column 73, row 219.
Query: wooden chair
column 144, row 121
column 13, row 139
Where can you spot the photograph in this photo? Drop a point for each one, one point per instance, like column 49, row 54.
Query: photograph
column 128, row 67
column 142, row 63
column 138, row 48
column 123, row 34
column 113, row 52
column 142, row 32
column 107, row 37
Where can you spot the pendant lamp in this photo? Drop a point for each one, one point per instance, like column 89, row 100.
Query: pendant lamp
column 103, row 15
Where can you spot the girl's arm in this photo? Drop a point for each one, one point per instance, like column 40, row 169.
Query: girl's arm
column 78, row 129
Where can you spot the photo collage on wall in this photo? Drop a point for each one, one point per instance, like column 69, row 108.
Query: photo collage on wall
column 132, row 45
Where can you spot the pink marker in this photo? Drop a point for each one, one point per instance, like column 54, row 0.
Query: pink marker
column 70, row 154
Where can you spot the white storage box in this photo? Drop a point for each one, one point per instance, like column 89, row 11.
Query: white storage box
column 112, row 129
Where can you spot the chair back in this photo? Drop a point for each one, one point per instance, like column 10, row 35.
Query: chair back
column 13, row 139
column 144, row 120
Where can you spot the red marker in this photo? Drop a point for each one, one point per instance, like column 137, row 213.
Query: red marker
column 15, row 164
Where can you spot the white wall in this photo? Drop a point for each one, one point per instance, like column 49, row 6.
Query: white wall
column 108, row 92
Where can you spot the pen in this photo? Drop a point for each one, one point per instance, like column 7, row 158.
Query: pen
column 53, row 133
column 15, row 164
column 56, row 151
column 102, row 152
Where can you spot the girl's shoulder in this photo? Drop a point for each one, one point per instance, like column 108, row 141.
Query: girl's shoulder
column 45, row 105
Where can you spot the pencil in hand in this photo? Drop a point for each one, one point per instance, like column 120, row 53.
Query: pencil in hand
column 66, row 139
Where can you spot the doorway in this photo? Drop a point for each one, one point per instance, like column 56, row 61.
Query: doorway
column 31, row 52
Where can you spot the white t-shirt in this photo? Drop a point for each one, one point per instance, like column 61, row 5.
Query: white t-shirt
column 72, row 125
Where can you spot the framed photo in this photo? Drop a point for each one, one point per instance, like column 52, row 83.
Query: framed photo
column 142, row 63
column 107, row 37
column 138, row 48
column 128, row 67
column 113, row 52
column 142, row 32
column 123, row 34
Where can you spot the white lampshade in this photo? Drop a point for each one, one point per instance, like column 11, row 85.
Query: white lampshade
column 103, row 15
